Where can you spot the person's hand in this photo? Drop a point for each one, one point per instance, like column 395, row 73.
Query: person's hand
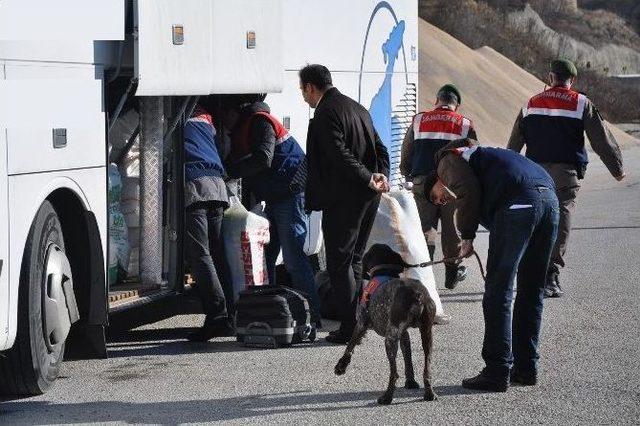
column 619, row 178
column 379, row 183
column 466, row 248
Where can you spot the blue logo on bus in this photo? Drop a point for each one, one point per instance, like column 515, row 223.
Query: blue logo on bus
column 381, row 104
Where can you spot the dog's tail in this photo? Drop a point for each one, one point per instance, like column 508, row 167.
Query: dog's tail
column 408, row 305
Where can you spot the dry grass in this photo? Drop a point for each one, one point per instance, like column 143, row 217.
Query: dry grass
column 629, row 10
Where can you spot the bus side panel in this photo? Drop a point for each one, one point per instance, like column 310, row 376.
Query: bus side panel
column 364, row 28
column 57, row 113
column 46, row 20
column 26, row 193
column 4, row 243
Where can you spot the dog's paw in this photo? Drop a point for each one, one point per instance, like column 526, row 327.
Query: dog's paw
column 385, row 399
column 341, row 366
column 430, row 395
column 411, row 384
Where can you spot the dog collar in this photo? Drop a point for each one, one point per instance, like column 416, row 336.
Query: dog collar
column 385, row 267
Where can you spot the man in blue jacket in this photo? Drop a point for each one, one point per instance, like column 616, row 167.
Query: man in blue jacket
column 205, row 200
column 514, row 199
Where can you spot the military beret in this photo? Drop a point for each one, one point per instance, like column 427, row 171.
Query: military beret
column 564, row 67
column 450, row 88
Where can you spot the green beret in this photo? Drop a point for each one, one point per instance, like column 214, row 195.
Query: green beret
column 450, row 88
column 564, row 67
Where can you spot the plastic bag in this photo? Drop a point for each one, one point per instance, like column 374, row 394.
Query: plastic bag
column 245, row 235
column 397, row 224
column 119, row 250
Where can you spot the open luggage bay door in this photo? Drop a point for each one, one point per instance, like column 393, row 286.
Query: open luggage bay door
column 201, row 47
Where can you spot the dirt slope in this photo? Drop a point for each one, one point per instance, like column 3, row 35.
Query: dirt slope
column 493, row 87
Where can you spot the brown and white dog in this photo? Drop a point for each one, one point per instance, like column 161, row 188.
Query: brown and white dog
column 390, row 305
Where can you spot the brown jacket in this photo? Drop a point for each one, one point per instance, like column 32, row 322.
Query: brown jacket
column 458, row 176
column 602, row 141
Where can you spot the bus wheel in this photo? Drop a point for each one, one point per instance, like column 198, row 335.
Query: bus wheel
column 31, row 365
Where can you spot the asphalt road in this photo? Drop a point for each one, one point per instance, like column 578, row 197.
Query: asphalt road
column 590, row 350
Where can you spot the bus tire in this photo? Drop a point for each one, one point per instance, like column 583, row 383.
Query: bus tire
column 31, row 366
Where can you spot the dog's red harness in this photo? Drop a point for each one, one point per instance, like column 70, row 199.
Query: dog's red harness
column 370, row 288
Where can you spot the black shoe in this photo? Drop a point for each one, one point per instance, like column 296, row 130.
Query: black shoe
column 518, row 378
column 552, row 286
column 485, row 382
column 453, row 275
column 338, row 337
column 220, row 328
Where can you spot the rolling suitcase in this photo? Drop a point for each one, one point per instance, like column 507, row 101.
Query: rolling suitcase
column 272, row 316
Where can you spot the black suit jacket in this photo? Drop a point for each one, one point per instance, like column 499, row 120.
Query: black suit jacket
column 343, row 150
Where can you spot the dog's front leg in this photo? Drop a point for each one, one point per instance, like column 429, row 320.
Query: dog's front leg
column 358, row 333
column 405, row 347
column 391, row 345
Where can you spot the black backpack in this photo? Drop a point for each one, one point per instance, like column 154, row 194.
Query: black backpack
column 272, row 316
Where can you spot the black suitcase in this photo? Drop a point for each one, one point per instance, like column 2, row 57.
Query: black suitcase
column 272, row 316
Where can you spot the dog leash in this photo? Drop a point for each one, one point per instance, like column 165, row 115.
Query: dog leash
column 449, row 260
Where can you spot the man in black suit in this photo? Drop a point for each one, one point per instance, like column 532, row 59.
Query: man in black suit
column 348, row 166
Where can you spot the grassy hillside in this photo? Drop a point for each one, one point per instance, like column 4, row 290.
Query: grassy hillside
column 479, row 23
column 629, row 10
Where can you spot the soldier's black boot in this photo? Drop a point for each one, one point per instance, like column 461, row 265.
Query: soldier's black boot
column 453, row 275
column 552, row 285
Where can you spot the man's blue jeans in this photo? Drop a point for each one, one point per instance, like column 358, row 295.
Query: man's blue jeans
column 520, row 243
column 288, row 231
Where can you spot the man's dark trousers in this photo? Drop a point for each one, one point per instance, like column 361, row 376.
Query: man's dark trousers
column 346, row 226
column 205, row 255
column 520, row 243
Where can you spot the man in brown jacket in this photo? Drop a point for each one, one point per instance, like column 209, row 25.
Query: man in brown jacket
column 514, row 199
column 552, row 126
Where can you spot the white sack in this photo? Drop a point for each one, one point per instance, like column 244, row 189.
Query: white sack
column 397, row 224
column 122, row 130
column 245, row 235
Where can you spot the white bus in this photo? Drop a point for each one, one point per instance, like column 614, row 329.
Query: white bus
column 84, row 83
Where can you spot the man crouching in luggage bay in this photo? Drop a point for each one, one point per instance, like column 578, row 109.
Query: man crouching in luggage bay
column 514, row 199
column 272, row 166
